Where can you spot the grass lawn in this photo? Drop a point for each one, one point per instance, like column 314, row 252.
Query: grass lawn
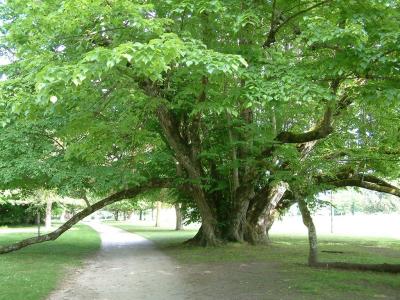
column 290, row 252
column 32, row 273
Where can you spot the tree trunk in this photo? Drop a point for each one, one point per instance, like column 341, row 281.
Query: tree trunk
column 312, row 234
column 140, row 215
column 238, row 222
column 187, row 156
column 196, row 240
column 263, row 212
column 261, row 229
column 49, row 203
column 158, row 215
column 178, row 213
column 208, row 219
column 116, row 215
column 268, row 222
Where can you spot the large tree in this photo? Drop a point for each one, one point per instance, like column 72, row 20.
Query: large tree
column 245, row 106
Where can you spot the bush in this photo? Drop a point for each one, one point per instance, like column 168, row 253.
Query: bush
column 11, row 214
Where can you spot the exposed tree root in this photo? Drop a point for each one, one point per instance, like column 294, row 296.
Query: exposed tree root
column 389, row 268
column 200, row 241
column 332, row 251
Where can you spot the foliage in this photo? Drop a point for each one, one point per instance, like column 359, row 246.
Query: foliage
column 222, row 97
column 11, row 214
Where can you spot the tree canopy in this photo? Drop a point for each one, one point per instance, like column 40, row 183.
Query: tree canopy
column 242, row 107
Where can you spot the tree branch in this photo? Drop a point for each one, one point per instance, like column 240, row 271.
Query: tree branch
column 348, row 178
column 175, row 141
column 358, row 182
column 321, row 131
column 125, row 194
column 274, row 28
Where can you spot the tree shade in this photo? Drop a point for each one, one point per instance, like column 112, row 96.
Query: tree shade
column 243, row 107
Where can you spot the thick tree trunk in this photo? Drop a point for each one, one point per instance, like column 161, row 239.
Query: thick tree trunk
column 187, row 156
column 208, row 234
column 196, row 239
column 204, row 238
column 265, row 223
column 238, row 222
column 116, row 215
column 49, row 203
column 208, row 218
column 178, row 213
column 263, row 212
column 312, row 234
column 268, row 222
column 158, row 214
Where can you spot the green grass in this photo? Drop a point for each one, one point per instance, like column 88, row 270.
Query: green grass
column 33, row 272
column 290, row 252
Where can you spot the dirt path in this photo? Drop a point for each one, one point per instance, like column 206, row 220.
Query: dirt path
column 130, row 267
column 127, row 267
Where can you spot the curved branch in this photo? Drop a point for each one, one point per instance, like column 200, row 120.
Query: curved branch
column 366, row 184
column 321, row 131
column 125, row 194
column 347, row 178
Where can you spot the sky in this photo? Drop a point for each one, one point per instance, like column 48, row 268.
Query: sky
column 3, row 60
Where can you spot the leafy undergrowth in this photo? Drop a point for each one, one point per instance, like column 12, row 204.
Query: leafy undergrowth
column 290, row 252
column 32, row 273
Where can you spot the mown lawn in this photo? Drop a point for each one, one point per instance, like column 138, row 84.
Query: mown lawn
column 291, row 254
column 32, row 273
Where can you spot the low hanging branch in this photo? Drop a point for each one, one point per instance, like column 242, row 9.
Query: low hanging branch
column 367, row 184
column 125, row 194
column 349, row 178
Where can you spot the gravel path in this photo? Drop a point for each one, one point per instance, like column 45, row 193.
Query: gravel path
column 130, row 267
column 127, row 267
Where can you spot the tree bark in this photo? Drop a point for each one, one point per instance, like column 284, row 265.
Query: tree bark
column 312, row 234
column 186, row 155
column 178, row 225
column 196, row 240
column 263, row 212
column 237, row 222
